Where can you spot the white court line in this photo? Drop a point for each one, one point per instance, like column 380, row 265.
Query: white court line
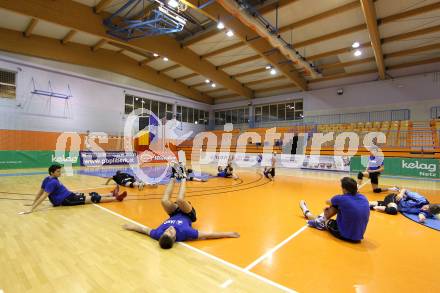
column 231, row 265
column 363, row 184
column 271, row 251
column 224, row 285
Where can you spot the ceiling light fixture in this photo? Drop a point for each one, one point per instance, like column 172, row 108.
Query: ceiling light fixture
column 268, row 67
column 173, row 3
column 355, row 45
column 273, row 72
column 155, row 55
column 213, row 85
column 230, row 33
column 165, row 59
column 207, row 81
column 357, row 53
column 220, row 25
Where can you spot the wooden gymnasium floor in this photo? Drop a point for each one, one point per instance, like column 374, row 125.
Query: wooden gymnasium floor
column 78, row 249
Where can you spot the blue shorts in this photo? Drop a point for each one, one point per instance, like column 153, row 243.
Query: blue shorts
column 223, row 174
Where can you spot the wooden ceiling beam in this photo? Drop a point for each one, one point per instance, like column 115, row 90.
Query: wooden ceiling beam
column 191, row 75
column 413, row 51
column 223, row 50
column 408, row 35
column 228, row 96
column 343, row 75
column 360, row 27
column 99, row 45
column 369, row 11
column 52, row 49
column 68, row 37
column 250, row 72
column 265, row 80
column 386, row 40
column 215, row 91
column 67, row 13
column 414, row 63
column 170, row 68
column 262, row 46
column 320, row 16
column 202, row 36
column 101, row 5
column 30, row 28
column 274, row 5
column 409, row 13
column 238, row 62
column 346, row 64
column 214, row 31
column 330, row 36
column 274, row 88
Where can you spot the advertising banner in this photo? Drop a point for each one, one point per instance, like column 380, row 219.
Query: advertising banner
column 408, row 167
column 34, row 159
column 94, row 159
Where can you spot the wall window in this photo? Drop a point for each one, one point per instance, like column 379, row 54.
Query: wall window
column 160, row 109
column 7, row 84
column 279, row 112
column 235, row 116
column 191, row 115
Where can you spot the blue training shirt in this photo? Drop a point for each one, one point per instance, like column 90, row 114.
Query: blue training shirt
column 57, row 191
column 353, row 215
column 182, row 224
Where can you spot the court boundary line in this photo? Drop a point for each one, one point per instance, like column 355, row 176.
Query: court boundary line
column 213, row 257
column 284, row 242
column 275, row 248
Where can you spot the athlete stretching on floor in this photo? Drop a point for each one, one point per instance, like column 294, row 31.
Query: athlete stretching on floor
column 227, row 172
column 406, row 201
column 59, row 195
column 181, row 215
column 352, row 211
column 127, row 180
column 269, row 172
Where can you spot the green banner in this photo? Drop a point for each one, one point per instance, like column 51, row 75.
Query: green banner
column 35, row 159
column 408, row 167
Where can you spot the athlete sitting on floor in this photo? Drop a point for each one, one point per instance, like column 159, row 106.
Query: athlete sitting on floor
column 269, row 172
column 59, row 195
column 352, row 211
column 178, row 227
column 227, row 172
column 178, row 169
column 406, row 201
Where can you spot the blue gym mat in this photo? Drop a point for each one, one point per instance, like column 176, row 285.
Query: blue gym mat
column 153, row 171
column 433, row 223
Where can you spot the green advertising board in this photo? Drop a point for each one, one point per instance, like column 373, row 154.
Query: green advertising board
column 35, row 159
column 408, row 167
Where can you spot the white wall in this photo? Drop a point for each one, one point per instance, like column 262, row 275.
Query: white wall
column 418, row 93
column 97, row 103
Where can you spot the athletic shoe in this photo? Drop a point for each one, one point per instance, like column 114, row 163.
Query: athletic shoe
column 303, row 207
column 318, row 223
column 115, row 191
column 121, row 196
column 395, row 188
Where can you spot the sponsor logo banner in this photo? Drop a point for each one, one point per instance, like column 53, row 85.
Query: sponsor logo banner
column 94, row 159
column 408, row 167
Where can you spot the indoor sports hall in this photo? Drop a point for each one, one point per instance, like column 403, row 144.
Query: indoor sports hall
column 219, row 146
